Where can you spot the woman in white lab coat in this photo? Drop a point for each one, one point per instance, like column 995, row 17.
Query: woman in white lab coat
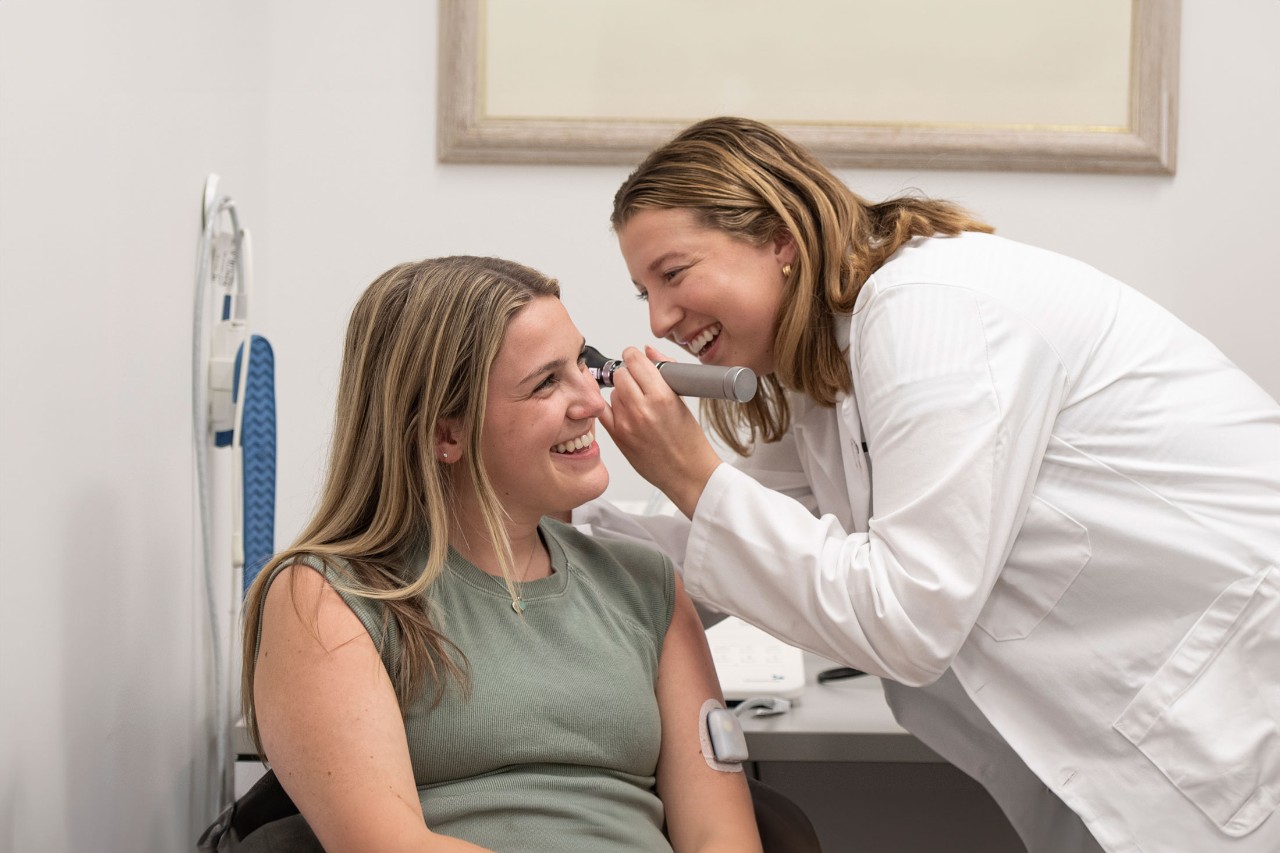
column 1043, row 508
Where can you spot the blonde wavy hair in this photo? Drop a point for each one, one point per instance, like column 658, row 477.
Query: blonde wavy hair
column 419, row 346
column 748, row 180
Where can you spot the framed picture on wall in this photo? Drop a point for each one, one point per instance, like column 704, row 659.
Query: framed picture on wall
column 1085, row 86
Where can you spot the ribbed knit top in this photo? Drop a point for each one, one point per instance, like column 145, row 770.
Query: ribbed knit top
column 556, row 747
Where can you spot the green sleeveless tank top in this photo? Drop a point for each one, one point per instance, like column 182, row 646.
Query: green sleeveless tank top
column 556, row 747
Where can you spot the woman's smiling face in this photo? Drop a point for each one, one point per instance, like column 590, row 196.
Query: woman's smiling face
column 538, row 439
column 712, row 294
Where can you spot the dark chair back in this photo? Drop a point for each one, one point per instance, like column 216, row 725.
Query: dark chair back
column 264, row 803
column 784, row 828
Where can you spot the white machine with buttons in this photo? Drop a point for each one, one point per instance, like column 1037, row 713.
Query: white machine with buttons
column 751, row 663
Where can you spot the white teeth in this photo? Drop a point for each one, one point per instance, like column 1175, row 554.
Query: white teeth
column 698, row 344
column 580, row 443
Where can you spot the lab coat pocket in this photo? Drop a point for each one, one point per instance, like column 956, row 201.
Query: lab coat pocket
column 1208, row 717
column 1048, row 554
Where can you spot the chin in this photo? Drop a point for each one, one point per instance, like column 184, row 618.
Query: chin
column 589, row 492
column 598, row 488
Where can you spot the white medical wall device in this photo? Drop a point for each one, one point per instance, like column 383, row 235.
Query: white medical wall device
column 233, row 406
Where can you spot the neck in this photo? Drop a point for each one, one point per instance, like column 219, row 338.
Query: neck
column 529, row 558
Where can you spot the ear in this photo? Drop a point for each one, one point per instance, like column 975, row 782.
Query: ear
column 449, row 440
column 784, row 247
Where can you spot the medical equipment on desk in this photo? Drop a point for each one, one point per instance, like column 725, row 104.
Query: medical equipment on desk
column 233, row 406
column 751, row 663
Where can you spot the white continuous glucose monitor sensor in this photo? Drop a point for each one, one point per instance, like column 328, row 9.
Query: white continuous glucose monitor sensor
column 724, row 746
column 727, row 740
column 751, row 663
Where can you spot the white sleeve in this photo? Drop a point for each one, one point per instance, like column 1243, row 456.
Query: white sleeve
column 957, row 398
column 669, row 534
column 775, row 466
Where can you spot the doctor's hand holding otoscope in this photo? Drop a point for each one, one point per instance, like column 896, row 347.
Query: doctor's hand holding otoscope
column 645, row 387
column 687, row 380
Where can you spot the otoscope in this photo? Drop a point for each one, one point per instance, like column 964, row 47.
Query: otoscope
column 687, row 380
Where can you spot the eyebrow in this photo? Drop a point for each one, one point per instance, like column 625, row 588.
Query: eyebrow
column 661, row 260
column 554, row 364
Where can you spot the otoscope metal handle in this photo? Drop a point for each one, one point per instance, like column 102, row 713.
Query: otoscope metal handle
column 721, row 383
column 687, row 380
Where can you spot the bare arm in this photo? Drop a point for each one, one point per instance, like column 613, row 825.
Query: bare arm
column 331, row 726
column 707, row 810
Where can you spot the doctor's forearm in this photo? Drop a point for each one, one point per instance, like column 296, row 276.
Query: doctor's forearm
column 680, row 473
column 686, row 488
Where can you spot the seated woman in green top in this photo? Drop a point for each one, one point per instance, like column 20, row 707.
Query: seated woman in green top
column 447, row 668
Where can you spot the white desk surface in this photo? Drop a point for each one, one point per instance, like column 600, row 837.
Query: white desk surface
column 841, row 721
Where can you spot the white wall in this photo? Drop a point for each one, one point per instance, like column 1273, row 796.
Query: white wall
column 111, row 114
column 320, row 119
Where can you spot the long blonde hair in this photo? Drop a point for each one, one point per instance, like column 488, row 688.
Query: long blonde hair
column 419, row 346
column 746, row 179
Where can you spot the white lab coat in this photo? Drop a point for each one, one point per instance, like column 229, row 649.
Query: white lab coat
column 1062, row 542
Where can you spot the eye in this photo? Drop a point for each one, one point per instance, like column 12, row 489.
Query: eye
column 670, row 275
column 643, row 296
column 546, row 383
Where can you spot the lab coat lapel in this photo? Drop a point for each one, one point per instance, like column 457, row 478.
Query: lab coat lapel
column 818, row 442
column 829, row 441
column 856, row 462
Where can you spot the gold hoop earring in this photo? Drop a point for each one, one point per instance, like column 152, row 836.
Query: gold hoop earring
column 786, row 270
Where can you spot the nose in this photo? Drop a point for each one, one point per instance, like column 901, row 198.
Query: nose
column 664, row 314
column 587, row 402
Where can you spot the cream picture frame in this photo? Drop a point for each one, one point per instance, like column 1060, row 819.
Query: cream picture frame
column 507, row 84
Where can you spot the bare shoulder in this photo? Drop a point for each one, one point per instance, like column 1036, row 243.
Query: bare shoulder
column 302, row 605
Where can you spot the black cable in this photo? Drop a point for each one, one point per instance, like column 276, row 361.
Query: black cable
column 838, row 673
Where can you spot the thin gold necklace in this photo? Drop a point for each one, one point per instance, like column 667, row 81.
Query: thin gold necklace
column 517, row 600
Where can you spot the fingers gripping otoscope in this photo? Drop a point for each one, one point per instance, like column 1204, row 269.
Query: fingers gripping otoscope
column 687, row 380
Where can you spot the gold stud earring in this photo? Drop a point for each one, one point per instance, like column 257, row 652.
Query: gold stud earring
column 786, row 270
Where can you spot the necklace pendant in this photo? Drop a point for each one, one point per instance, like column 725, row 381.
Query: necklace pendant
column 517, row 605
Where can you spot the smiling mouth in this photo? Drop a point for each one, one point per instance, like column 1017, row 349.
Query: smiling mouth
column 702, row 341
column 575, row 445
